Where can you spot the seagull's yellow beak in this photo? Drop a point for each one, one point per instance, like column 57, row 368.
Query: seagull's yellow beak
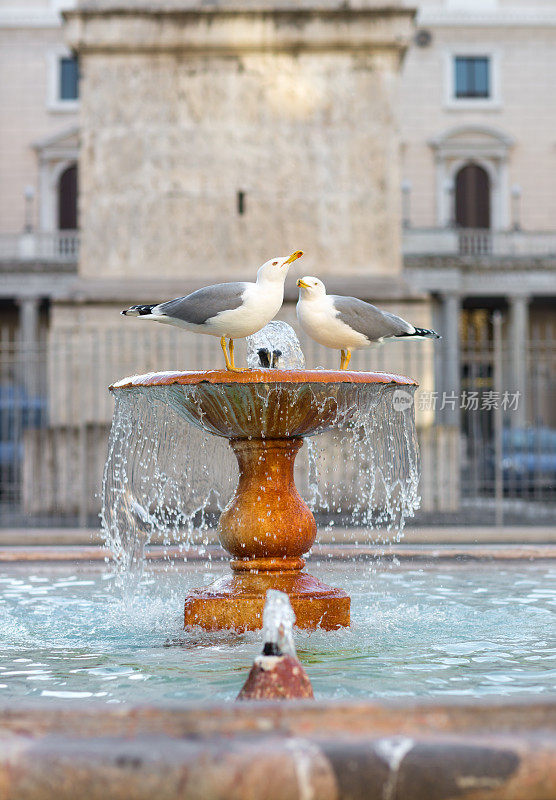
column 292, row 258
column 301, row 283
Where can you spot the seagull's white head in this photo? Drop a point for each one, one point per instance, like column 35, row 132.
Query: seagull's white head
column 310, row 288
column 277, row 268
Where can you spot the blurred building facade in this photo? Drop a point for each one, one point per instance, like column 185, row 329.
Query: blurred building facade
column 149, row 149
column 39, row 150
column 478, row 158
column 212, row 137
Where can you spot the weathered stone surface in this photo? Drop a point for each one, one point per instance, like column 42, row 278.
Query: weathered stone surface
column 182, row 110
column 272, row 751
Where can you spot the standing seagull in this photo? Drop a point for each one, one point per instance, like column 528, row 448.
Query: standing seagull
column 346, row 323
column 233, row 310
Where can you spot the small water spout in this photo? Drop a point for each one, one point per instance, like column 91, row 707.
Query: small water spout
column 278, row 622
column 280, row 347
column 269, row 360
column 277, row 674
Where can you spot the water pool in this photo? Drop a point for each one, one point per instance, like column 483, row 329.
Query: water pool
column 433, row 630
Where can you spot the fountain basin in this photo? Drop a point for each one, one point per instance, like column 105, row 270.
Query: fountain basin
column 428, row 688
column 267, row 527
column 263, row 403
column 445, row 622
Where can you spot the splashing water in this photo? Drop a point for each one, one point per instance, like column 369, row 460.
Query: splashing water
column 276, row 336
column 162, row 476
column 278, row 622
column 377, row 488
column 167, row 477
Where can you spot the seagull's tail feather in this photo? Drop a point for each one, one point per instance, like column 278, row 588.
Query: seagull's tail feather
column 419, row 333
column 138, row 311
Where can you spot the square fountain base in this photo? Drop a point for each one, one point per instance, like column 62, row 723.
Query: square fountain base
column 237, row 601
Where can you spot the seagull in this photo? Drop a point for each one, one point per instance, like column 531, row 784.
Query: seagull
column 233, row 310
column 346, row 323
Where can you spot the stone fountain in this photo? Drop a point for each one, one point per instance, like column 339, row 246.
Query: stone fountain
column 267, row 527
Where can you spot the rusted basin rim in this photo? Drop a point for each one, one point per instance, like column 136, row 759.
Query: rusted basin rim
column 353, row 718
column 146, row 766
column 261, row 376
column 273, row 751
column 459, row 555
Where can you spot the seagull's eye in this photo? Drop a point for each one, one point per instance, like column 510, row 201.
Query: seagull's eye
column 274, row 263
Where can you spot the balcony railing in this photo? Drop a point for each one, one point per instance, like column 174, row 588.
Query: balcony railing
column 61, row 246
column 478, row 242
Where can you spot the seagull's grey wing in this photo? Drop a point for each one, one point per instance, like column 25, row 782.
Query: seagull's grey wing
column 368, row 319
column 200, row 306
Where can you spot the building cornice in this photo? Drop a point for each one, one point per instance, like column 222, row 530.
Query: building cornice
column 21, row 18
column 61, row 283
column 239, row 30
column 500, row 18
column 477, row 277
column 483, row 264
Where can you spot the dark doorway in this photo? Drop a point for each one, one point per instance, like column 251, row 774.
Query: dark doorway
column 67, row 199
column 472, row 197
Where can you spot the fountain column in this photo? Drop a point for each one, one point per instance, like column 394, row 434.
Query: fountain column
column 267, row 525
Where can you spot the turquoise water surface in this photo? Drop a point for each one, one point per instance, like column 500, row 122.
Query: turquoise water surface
column 447, row 630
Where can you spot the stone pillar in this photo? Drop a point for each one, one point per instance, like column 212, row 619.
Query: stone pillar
column 451, row 366
column 28, row 319
column 518, row 340
column 438, row 325
column 29, row 337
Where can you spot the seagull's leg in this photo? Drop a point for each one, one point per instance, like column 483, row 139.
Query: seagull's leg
column 342, row 359
column 347, row 359
column 231, row 346
column 232, row 365
column 224, row 350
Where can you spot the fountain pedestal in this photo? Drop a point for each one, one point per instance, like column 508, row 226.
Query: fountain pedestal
column 267, row 527
column 238, row 601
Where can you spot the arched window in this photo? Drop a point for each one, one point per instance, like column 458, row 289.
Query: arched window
column 472, row 200
column 67, row 199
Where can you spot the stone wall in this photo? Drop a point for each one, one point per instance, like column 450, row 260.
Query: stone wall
column 181, row 110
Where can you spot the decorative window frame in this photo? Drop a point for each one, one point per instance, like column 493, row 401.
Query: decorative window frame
column 53, row 100
column 55, row 154
column 452, row 152
column 453, row 103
